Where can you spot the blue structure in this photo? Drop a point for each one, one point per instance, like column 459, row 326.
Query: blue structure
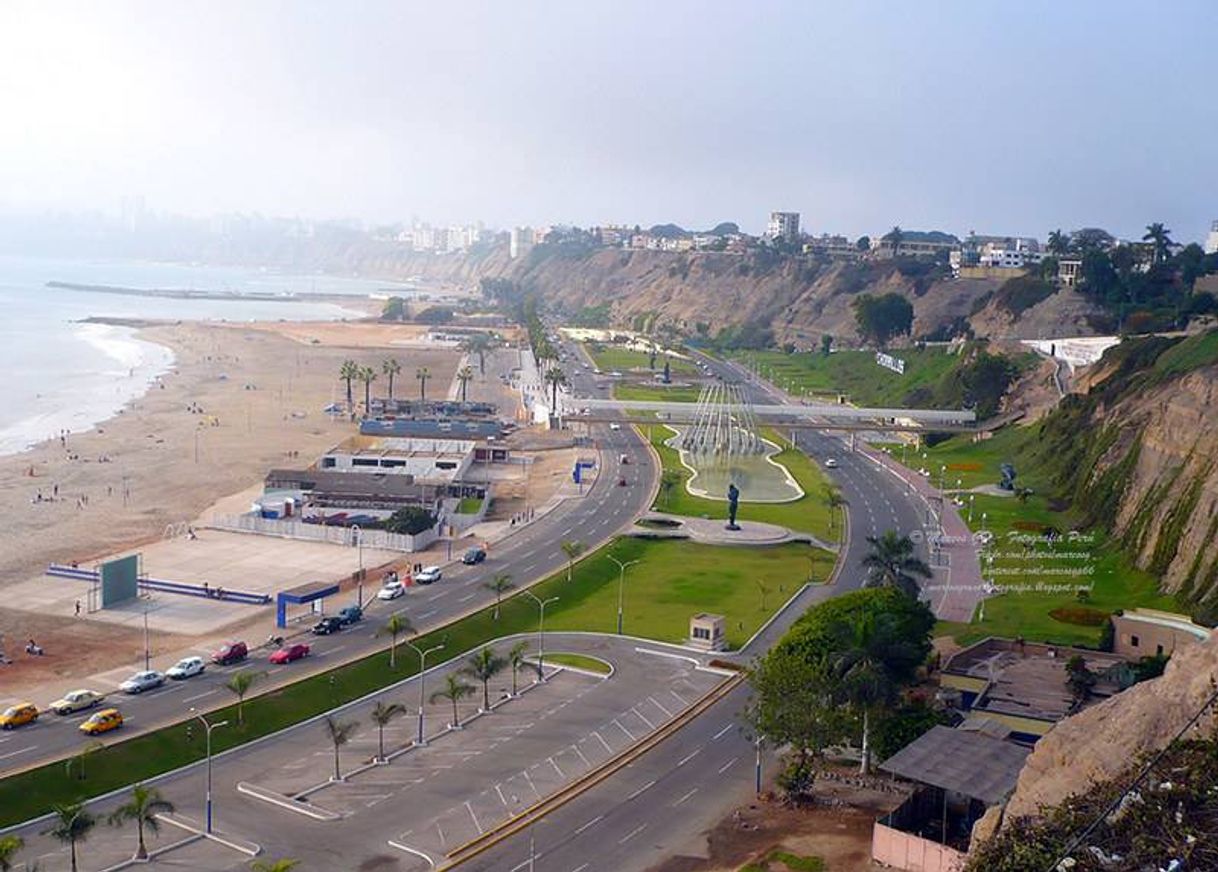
column 300, row 596
column 577, row 475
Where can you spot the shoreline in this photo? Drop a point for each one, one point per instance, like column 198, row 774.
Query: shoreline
column 224, row 296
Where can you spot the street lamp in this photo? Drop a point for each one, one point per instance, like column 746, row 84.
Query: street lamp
column 359, row 544
column 207, row 728
column 541, row 630
column 971, row 499
column 621, row 586
column 421, row 740
column 147, row 647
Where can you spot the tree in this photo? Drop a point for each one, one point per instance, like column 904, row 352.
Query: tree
column 484, row 666
column 479, row 344
column 826, row 345
column 894, row 237
column 410, row 521
column 71, row 825
column 1059, row 243
column 239, row 683
column 573, row 549
column 834, row 501
column 891, row 563
column 394, row 626
column 863, row 243
column 390, row 367
column 1079, row 679
column 82, row 756
column 1049, row 267
column 499, row 585
column 382, row 714
column 882, row 318
column 464, row 375
column 9, row 846
column 281, row 865
column 1158, row 236
column 143, row 807
column 394, row 309
column 349, row 372
column 339, row 733
column 555, row 378
column 422, row 374
column 454, row 690
column 669, row 479
column 516, row 659
column 367, row 375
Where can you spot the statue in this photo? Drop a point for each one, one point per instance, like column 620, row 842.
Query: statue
column 733, row 503
column 1008, row 477
column 667, row 372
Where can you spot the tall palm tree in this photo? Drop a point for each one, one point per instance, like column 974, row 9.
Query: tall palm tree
column 143, row 807
column 454, row 690
column 479, row 344
column 239, row 683
column 833, row 502
column 555, row 378
column 1059, row 243
column 574, row 549
column 464, row 375
column 367, row 375
column 9, row 846
column 500, row 585
column 349, row 372
column 339, row 733
column 390, row 367
column 484, row 666
column 394, row 626
column 382, row 714
column 516, row 659
column 281, row 865
column 894, row 237
column 891, row 563
column 422, row 374
column 1160, row 239
column 71, row 824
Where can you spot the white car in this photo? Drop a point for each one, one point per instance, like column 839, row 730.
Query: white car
column 187, row 667
column 428, row 574
column 142, row 681
column 614, row 425
column 392, row 590
column 831, row 463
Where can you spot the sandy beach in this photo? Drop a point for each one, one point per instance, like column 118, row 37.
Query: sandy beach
column 240, row 400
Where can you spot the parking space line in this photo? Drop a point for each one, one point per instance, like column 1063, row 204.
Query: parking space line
column 531, row 784
column 656, row 703
column 638, row 714
column 501, row 796
column 629, row 734
column 601, row 739
column 470, row 808
column 575, row 748
column 561, row 774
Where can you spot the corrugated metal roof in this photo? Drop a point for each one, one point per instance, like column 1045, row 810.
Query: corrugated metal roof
column 966, row 762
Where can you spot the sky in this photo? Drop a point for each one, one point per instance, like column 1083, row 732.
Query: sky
column 972, row 115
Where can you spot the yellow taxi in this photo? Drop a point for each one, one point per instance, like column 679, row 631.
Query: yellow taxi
column 102, row 722
column 18, row 715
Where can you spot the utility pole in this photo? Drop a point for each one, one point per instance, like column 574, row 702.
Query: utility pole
column 147, row 648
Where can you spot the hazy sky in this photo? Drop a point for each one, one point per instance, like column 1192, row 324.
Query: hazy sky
column 998, row 117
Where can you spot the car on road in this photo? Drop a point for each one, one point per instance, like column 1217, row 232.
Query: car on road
column 230, row 652
column 473, row 556
column 391, row 590
column 350, row 615
column 102, row 722
column 75, row 701
column 187, row 667
column 428, row 574
column 614, row 425
column 141, row 681
column 18, row 715
column 288, row 653
column 326, row 626
column 830, row 463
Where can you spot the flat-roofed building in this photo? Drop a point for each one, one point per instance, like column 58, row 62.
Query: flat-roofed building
column 1150, row 633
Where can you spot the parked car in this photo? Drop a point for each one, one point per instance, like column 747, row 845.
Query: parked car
column 288, row 653
column 830, row 463
column 77, row 700
column 614, row 425
column 391, row 590
column 326, row 626
column 18, row 715
column 187, row 667
column 428, row 574
column 230, row 652
column 473, row 556
column 102, row 722
column 142, row 681
column 350, row 615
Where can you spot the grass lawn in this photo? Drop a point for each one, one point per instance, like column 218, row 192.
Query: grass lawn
column 657, row 393
column 579, row 661
column 854, row 373
column 808, row 514
column 790, row 862
column 613, row 358
column 469, row 506
column 976, row 463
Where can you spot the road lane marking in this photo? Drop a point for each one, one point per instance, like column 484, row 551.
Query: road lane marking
column 18, row 751
column 630, row 835
column 726, row 766
column 641, row 790
column 591, row 823
column 690, row 756
column 719, row 734
column 685, row 797
column 200, row 695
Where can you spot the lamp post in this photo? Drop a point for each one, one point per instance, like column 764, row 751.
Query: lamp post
column 358, row 534
column 207, row 728
column 422, row 740
column 541, row 630
column 147, row 647
column 971, row 499
column 757, row 766
column 621, row 587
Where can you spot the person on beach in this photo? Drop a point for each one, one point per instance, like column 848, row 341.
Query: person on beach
column 78, row 608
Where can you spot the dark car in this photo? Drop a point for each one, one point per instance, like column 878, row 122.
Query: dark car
column 326, row 626
column 472, row 556
column 350, row 615
column 231, row 652
column 290, row 652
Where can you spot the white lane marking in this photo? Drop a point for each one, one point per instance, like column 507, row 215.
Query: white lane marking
column 18, row 751
column 690, row 756
column 639, row 715
column 428, row 614
column 561, row 774
column 726, row 766
column 629, row 735
column 501, row 797
column 466, row 598
column 591, row 823
column 199, row 695
column 641, row 790
column 656, row 703
column 719, row 734
column 685, row 797
column 630, row 835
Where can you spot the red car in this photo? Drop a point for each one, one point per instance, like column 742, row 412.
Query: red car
column 288, row 653
column 230, row 652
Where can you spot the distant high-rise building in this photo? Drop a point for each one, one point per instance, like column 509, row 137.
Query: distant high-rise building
column 783, row 225
column 1211, row 241
column 520, row 240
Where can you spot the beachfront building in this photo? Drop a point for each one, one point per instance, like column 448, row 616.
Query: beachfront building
column 1211, row 241
column 783, row 225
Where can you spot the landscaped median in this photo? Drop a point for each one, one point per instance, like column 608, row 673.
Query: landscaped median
column 670, row 582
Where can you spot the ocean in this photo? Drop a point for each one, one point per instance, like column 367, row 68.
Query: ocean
column 65, row 375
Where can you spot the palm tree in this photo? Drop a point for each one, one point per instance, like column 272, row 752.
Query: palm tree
column 454, row 690
column 382, row 714
column 516, row 659
column 240, row 683
column 1059, row 243
column 281, row 865
column 9, row 846
column 484, row 666
column 390, row 367
column 500, row 584
column 82, row 756
column 833, row 502
column 554, row 377
column 143, row 807
column 340, row 733
column 395, row 626
column 367, row 375
column 891, row 563
column 1159, row 237
column 479, row 344
column 893, row 237
column 573, row 548
column 464, row 375
column 72, row 823
column 423, row 374
column 349, row 372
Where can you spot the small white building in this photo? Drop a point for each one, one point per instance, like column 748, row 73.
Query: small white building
column 1211, row 241
column 426, row 460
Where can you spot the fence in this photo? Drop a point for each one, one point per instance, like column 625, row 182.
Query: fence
column 288, row 529
column 59, row 570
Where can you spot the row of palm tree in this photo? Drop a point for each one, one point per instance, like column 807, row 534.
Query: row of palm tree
column 351, row 372
column 1157, row 234
column 73, row 822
